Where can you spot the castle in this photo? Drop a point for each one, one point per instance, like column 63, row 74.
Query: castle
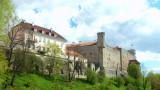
column 115, row 60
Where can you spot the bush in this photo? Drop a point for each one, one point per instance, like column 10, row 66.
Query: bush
column 131, row 87
column 91, row 76
column 129, row 80
column 105, row 85
column 101, row 75
column 119, row 81
column 138, row 84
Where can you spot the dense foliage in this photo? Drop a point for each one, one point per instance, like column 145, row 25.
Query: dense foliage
column 91, row 76
column 6, row 12
column 134, row 71
column 3, row 68
column 154, row 81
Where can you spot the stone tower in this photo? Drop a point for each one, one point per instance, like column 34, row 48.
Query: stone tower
column 100, row 46
column 101, row 39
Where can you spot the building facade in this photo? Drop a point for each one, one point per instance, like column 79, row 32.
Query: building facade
column 115, row 60
column 36, row 37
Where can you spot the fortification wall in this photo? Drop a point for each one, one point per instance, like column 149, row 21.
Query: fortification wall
column 126, row 56
column 89, row 52
column 115, row 59
column 111, row 60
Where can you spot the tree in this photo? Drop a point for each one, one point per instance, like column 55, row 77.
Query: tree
column 31, row 63
column 3, row 68
column 12, row 34
column 6, row 13
column 134, row 71
column 54, row 61
column 54, row 50
column 154, row 80
column 18, row 62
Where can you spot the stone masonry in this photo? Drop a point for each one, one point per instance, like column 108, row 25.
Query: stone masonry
column 115, row 60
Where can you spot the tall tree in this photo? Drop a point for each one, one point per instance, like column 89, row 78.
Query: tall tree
column 6, row 12
column 55, row 62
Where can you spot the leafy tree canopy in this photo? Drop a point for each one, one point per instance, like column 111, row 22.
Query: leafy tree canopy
column 6, row 12
column 54, row 49
column 134, row 71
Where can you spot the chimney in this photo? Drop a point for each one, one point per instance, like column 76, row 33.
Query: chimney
column 101, row 39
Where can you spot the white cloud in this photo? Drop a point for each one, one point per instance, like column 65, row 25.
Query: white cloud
column 147, row 56
column 56, row 14
column 155, row 69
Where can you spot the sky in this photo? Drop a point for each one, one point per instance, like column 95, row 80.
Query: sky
column 126, row 23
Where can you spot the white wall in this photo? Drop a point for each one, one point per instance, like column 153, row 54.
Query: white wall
column 43, row 40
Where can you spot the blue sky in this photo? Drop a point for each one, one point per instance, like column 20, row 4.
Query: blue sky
column 127, row 23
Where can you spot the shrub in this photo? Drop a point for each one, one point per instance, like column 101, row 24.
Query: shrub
column 138, row 84
column 119, row 81
column 101, row 75
column 131, row 87
column 129, row 80
column 91, row 76
column 105, row 85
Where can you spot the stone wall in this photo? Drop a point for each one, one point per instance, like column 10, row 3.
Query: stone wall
column 89, row 52
column 114, row 59
column 111, row 60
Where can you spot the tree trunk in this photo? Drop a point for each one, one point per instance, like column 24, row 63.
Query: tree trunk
column 13, row 78
column 10, row 56
column 73, row 69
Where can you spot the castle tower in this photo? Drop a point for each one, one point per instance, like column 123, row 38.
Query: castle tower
column 100, row 46
column 101, row 39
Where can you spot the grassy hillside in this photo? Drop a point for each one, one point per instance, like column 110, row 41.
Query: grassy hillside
column 36, row 82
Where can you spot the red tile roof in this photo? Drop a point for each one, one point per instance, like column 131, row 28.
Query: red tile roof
column 134, row 62
column 30, row 26
column 82, row 44
column 70, row 48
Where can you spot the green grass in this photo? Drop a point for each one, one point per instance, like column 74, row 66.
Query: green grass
column 35, row 82
column 31, row 82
